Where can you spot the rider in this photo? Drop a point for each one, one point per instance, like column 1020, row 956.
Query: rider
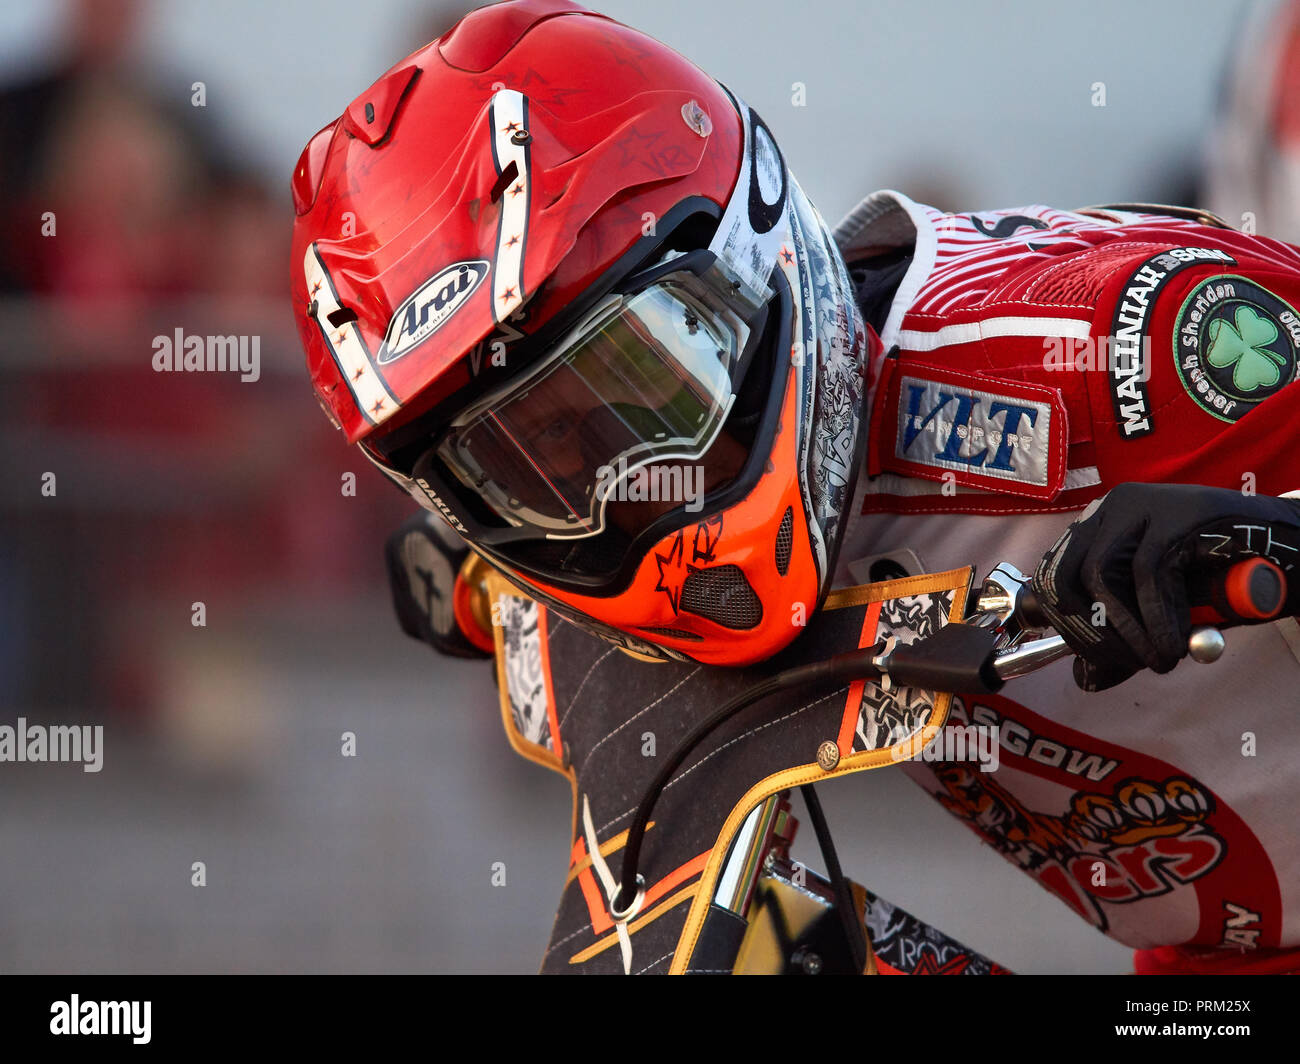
column 583, row 312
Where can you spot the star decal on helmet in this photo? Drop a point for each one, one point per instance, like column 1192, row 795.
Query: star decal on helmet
column 532, row 84
column 707, row 535
column 672, row 573
column 639, row 147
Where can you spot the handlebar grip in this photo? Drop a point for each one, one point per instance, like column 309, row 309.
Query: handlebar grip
column 1249, row 591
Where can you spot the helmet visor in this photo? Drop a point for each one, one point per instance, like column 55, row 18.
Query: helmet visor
column 644, row 382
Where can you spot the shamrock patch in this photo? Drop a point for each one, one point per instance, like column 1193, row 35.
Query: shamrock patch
column 1245, row 349
column 1235, row 344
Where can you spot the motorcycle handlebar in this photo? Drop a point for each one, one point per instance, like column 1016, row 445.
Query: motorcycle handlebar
column 981, row 654
column 1248, row 591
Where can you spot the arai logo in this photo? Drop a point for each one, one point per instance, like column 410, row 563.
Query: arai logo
column 429, row 306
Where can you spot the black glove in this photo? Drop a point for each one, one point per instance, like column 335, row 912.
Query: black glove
column 1132, row 554
column 424, row 555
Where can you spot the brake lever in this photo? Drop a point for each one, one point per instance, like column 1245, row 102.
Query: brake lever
column 1004, row 636
column 1007, row 604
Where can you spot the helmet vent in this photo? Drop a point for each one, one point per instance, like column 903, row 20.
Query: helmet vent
column 341, row 316
column 785, row 541
column 503, row 182
column 673, row 633
column 722, row 595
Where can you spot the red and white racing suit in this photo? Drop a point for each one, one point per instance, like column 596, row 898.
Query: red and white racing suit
column 1034, row 358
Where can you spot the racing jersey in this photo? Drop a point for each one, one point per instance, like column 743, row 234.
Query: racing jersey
column 1032, row 358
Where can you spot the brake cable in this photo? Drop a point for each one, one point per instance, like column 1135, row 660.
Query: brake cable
column 957, row 657
column 855, row 934
column 840, row 669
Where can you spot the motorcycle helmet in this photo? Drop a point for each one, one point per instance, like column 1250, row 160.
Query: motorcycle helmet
column 559, row 285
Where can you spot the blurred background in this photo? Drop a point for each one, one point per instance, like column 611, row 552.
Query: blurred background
column 222, row 743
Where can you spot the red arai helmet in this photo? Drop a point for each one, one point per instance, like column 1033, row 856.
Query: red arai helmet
column 560, row 286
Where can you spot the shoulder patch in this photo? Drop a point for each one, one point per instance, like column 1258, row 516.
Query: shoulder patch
column 969, row 430
column 1235, row 345
column 1130, row 359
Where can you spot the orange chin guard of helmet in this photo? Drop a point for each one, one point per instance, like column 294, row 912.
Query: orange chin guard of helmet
column 559, row 285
